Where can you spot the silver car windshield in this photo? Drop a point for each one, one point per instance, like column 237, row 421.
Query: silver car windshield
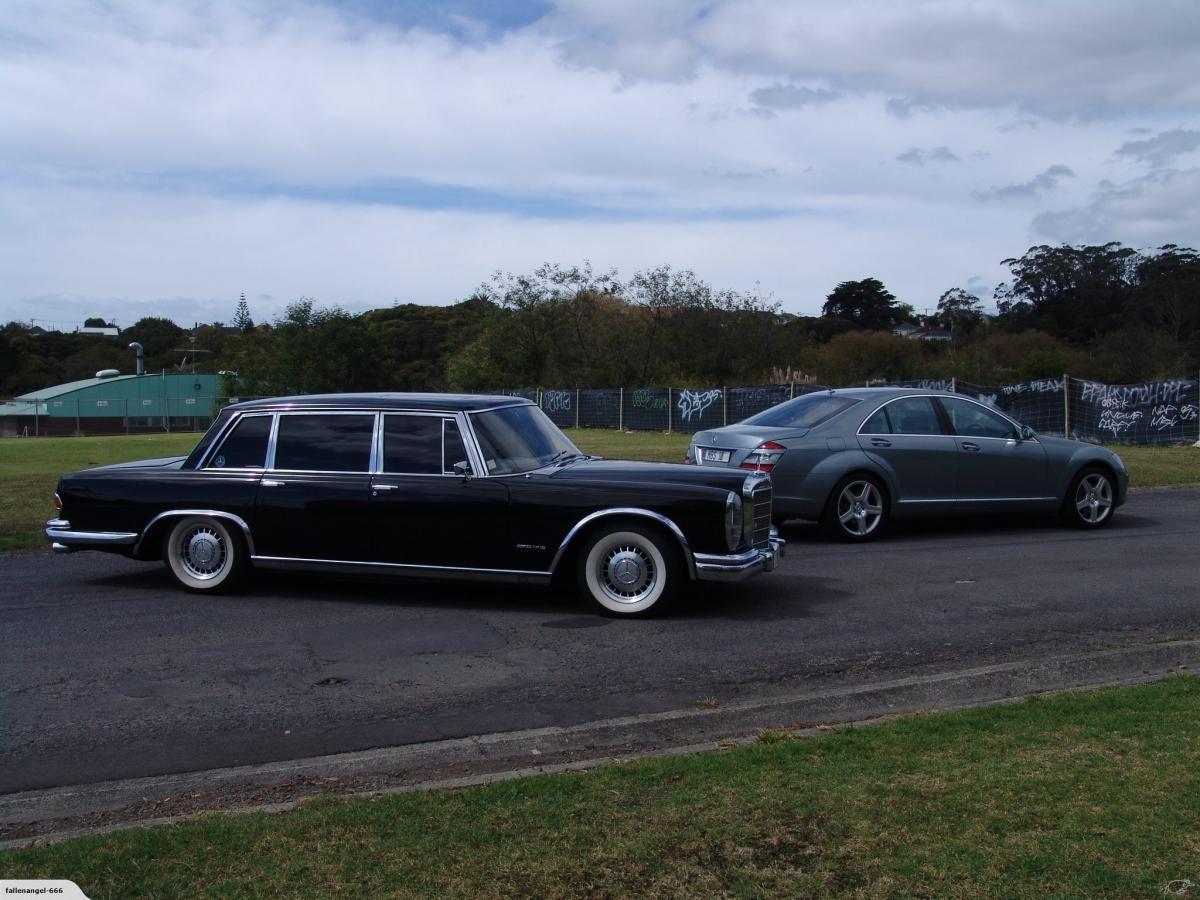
column 520, row 439
column 803, row 412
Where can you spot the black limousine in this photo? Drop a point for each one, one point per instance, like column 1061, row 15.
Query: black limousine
column 431, row 485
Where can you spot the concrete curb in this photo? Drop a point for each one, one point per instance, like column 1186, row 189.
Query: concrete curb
column 477, row 760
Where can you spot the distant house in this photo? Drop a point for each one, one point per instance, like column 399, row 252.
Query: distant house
column 115, row 404
column 920, row 333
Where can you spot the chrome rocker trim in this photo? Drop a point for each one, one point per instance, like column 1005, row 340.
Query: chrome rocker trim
column 454, row 573
column 63, row 540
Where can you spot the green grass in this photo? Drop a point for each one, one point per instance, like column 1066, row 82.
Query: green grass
column 29, row 469
column 1074, row 795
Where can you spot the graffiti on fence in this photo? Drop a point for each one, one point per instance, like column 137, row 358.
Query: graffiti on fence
column 1122, row 396
column 694, row 403
column 1168, row 415
column 1041, row 386
column 649, row 398
column 556, row 401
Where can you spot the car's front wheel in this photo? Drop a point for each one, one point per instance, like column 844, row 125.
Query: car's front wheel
column 857, row 509
column 1089, row 502
column 629, row 571
column 204, row 555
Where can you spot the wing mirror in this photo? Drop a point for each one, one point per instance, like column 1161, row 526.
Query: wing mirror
column 1026, row 433
column 463, row 468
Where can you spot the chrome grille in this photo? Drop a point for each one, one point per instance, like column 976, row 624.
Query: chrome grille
column 760, row 500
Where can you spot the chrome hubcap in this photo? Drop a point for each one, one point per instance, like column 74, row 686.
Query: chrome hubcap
column 860, row 508
column 627, row 574
column 203, row 553
column 1093, row 499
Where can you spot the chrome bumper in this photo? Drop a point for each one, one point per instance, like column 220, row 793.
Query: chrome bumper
column 63, row 540
column 736, row 566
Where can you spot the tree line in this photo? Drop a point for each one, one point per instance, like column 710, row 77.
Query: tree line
column 1106, row 312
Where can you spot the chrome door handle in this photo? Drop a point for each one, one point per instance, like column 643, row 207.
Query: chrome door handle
column 384, row 487
column 268, row 482
column 880, row 442
column 968, row 446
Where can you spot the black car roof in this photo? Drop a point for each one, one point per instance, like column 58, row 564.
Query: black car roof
column 435, row 402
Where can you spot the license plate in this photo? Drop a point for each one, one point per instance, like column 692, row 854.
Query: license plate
column 717, row 456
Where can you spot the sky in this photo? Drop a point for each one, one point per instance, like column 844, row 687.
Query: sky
column 162, row 158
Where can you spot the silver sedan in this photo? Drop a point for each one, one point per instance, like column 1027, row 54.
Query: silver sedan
column 853, row 459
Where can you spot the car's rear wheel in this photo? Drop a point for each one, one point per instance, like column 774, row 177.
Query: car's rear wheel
column 1090, row 499
column 203, row 554
column 857, row 509
column 629, row 571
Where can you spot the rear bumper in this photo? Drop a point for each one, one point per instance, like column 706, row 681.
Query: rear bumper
column 736, row 566
column 63, row 540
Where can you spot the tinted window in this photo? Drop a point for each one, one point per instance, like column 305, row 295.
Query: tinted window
column 324, row 443
column 803, row 412
column 421, row 445
column 246, row 446
column 911, row 415
column 972, row 420
column 877, row 423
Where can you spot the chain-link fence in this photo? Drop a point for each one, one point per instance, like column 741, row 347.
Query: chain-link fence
column 1156, row 412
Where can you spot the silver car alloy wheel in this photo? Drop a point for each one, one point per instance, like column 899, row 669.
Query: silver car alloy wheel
column 860, row 508
column 1093, row 498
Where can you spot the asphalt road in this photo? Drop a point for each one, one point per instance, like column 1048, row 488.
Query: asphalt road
column 107, row 671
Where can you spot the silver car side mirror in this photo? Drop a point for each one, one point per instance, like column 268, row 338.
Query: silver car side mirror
column 463, row 469
column 1026, row 433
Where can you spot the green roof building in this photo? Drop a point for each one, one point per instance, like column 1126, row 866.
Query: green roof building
column 115, row 404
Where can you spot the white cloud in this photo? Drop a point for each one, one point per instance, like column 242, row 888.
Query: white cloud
column 1152, row 210
column 168, row 156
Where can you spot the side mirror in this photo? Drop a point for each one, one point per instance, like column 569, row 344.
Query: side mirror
column 462, row 468
column 1026, row 433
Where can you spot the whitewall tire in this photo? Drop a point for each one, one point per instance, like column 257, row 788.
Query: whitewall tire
column 204, row 554
column 629, row 571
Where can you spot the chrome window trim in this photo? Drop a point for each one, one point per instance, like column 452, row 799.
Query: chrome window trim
column 219, row 442
column 626, row 511
column 212, row 513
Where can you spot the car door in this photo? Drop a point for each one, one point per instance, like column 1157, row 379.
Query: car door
column 995, row 467
column 907, row 439
column 423, row 512
column 313, row 500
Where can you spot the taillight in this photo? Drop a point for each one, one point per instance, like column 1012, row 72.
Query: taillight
column 687, row 458
column 764, row 457
column 57, row 504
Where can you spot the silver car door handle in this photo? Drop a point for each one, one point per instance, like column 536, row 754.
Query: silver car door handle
column 268, row 482
column 384, row 487
column 880, row 442
column 973, row 448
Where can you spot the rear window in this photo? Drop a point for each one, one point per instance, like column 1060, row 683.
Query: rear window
column 803, row 412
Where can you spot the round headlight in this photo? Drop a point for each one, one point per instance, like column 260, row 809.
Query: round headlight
column 733, row 520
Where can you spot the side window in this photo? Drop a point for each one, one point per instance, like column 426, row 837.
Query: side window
column 412, row 445
column 421, row 445
column 972, row 420
column 246, row 446
column 913, row 415
column 877, row 423
column 324, row 443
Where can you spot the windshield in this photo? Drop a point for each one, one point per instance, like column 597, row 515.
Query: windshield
column 803, row 412
column 520, row 439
